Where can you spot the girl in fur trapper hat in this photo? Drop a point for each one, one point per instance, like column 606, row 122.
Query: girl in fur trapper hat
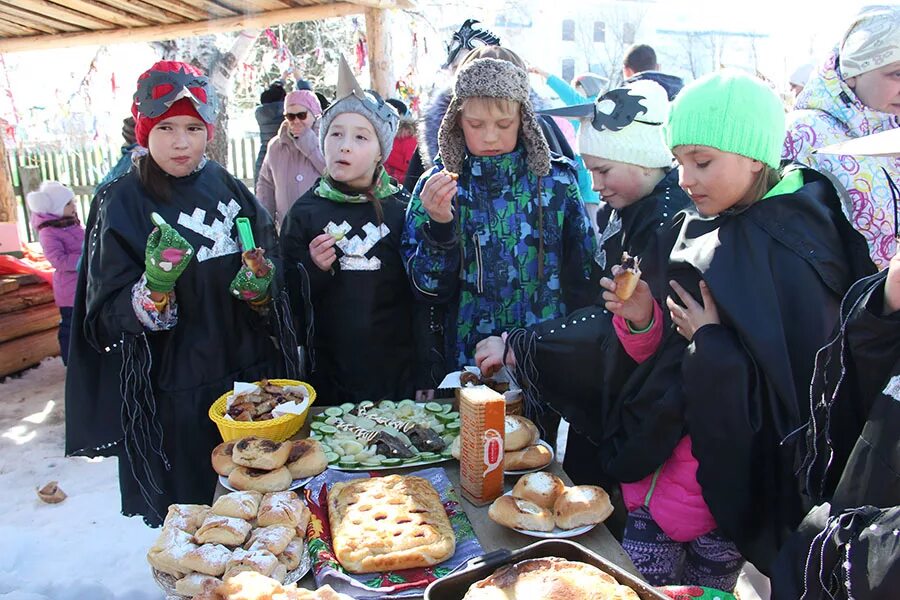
column 496, row 231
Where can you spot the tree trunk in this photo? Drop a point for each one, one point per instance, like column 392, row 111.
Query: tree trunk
column 7, row 193
column 378, row 35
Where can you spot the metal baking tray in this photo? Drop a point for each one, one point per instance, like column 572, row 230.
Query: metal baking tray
column 455, row 586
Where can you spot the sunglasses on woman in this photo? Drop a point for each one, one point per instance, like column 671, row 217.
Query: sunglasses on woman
column 299, row 115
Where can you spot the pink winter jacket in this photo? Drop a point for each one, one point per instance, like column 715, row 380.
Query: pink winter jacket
column 674, row 499
column 62, row 249
column 292, row 165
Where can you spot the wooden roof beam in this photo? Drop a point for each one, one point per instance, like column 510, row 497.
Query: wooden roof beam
column 55, row 11
column 178, row 30
column 100, row 11
column 29, row 19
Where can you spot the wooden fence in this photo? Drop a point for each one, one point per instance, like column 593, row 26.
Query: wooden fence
column 83, row 168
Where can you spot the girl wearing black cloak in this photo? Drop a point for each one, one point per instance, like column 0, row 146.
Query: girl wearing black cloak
column 169, row 312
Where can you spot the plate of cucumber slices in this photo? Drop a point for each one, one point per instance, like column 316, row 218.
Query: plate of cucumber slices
column 372, row 436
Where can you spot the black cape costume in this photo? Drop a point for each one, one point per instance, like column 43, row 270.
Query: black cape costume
column 358, row 318
column 144, row 395
column 850, row 541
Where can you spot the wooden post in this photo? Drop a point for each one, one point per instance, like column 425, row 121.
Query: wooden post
column 7, row 193
column 378, row 34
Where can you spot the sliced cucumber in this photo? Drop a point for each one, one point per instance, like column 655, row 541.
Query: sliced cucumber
column 429, row 456
column 446, row 453
column 438, row 428
column 452, row 427
column 387, row 404
column 332, row 457
column 447, row 407
column 316, row 425
column 347, row 407
column 447, row 417
column 331, row 420
column 367, row 404
column 391, row 462
column 334, row 411
column 407, row 402
column 348, row 463
column 319, row 417
column 372, row 462
column 315, row 435
column 353, row 447
column 434, row 407
column 328, row 429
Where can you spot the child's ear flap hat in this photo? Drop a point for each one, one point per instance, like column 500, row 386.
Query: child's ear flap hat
column 492, row 78
column 352, row 99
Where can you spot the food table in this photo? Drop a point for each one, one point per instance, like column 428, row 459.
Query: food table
column 491, row 535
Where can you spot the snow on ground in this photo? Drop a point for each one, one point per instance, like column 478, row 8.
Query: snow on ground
column 82, row 548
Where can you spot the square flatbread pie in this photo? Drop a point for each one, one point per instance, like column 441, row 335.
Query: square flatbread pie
column 388, row 523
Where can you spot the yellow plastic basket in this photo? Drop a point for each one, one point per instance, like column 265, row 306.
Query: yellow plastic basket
column 278, row 429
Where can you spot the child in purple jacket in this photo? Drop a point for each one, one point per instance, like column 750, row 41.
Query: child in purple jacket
column 62, row 236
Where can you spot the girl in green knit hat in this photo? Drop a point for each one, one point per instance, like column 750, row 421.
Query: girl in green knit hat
column 752, row 289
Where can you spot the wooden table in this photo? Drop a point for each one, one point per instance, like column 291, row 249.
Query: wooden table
column 491, row 535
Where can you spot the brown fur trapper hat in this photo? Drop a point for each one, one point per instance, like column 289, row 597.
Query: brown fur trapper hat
column 492, row 78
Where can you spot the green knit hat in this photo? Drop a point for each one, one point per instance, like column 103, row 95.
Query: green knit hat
column 730, row 111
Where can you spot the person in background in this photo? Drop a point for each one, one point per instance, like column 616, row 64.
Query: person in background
column 799, row 77
column 341, row 243
column 269, row 117
column 294, row 160
column 126, row 160
column 640, row 63
column 169, row 311
column 61, row 235
column 585, row 88
column 404, row 144
column 855, row 93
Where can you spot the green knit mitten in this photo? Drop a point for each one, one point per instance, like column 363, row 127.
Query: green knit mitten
column 254, row 278
column 166, row 257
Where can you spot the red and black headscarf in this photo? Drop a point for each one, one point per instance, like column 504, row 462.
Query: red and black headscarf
column 169, row 89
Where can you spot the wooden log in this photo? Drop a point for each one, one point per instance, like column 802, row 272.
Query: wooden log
column 378, row 35
column 8, row 284
column 25, row 297
column 28, row 321
column 28, row 351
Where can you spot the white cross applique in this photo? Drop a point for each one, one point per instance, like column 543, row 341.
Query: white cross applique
column 356, row 248
column 613, row 226
column 219, row 232
column 893, row 388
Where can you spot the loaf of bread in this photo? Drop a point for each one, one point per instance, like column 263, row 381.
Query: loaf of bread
column 208, row 559
column 260, row 453
column 169, row 549
column 542, row 488
column 247, row 479
column 222, row 530
column 517, row 513
column 306, row 459
column 240, row 505
column 520, row 432
column 197, row 584
column 532, row 457
column 283, row 508
column 186, row 517
column 273, row 538
column 221, row 459
column 581, row 505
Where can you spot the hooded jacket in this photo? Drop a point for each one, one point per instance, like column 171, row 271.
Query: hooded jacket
column 827, row 112
column 670, row 83
column 62, row 248
column 358, row 317
column 291, row 167
column 506, row 261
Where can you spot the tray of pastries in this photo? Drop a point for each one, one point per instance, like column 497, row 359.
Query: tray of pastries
column 387, row 435
column 199, row 545
column 262, row 465
column 388, row 523
column 545, row 569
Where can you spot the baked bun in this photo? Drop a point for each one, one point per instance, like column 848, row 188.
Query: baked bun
column 306, row 458
column 274, row 538
column 169, row 549
column 208, row 559
column 241, row 505
column 258, row 480
column 520, row 432
column 581, row 505
column 186, row 517
column 532, row 457
column 283, row 508
column 261, row 561
column 292, row 554
column 222, row 530
column 197, row 584
column 260, row 453
column 516, row 513
column 628, row 278
column 221, row 459
column 542, row 488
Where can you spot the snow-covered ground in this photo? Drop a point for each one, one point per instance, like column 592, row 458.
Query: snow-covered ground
column 82, row 548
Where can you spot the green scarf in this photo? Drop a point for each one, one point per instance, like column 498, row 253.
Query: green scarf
column 383, row 187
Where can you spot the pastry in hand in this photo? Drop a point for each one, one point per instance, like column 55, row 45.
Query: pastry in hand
column 256, row 261
column 628, row 278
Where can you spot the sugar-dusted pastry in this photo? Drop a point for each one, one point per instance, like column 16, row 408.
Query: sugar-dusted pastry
column 241, row 505
column 228, row 531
